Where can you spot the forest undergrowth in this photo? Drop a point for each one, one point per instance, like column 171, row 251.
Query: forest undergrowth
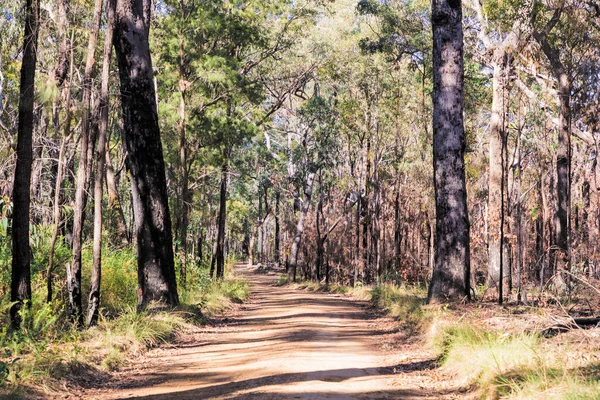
column 490, row 351
column 48, row 355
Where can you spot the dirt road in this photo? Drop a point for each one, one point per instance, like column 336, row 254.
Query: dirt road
column 284, row 344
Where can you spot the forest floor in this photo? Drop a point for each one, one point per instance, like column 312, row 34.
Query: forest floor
column 287, row 343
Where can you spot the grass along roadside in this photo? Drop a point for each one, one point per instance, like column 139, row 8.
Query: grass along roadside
column 492, row 353
column 47, row 355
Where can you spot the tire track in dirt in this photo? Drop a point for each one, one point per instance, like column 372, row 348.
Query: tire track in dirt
column 284, row 344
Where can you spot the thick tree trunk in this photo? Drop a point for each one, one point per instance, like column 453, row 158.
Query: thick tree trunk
column 310, row 179
column 220, row 250
column 74, row 268
column 20, row 288
column 450, row 280
column 156, row 269
column 94, row 296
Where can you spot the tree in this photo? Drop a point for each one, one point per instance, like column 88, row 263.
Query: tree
column 21, row 252
column 94, row 296
column 83, row 174
column 502, row 64
column 451, row 273
column 156, row 269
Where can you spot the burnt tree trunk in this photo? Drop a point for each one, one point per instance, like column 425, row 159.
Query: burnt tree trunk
column 450, row 280
column 220, row 249
column 156, row 269
column 20, row 287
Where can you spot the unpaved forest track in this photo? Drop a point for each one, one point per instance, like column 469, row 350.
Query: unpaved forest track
column 285, row 344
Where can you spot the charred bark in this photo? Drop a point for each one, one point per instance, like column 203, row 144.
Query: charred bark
column 156, row 269
column 20, row 288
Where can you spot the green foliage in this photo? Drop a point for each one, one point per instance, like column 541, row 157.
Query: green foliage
column 119, row 278
column 216, row 296
column 401, row 302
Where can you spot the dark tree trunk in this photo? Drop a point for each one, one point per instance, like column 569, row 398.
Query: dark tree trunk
column 220, row 250
column 94, row 296
column 156, row 269
column 450, row 280
column 20, row 288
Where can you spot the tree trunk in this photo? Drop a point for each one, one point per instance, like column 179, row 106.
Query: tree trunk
column 251, row 246
column 450, row 280
column 501, row 65
column 220, row 250
column 183, row 201
column 94, row 297
column 74, row 268
column 310, row 179
column 366, row 214
column 156, row 269
column 20, row 288
column 56, row 214
column 259, row 219
column 561, row 250
column 277, row 230
column 320, row 239
column 357, row 257
column 397, row 235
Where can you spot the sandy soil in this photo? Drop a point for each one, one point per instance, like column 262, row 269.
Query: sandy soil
column 285, row 344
